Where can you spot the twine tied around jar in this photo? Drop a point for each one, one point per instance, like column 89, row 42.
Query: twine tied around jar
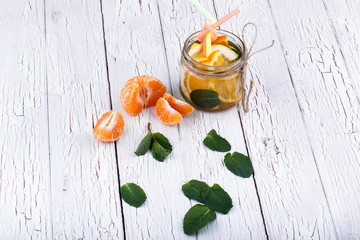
column 241, row 80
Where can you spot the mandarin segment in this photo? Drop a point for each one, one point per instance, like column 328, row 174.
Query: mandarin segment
column 166, row 113
column 140, row 92
column 109, row 127
column 130, row 97
column 154, row 89
column 182, row 107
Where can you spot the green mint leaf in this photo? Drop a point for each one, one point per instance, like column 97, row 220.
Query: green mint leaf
column 162, row 140
column 144, row 145
column 132, row 194
column 216, row 143
column 193, row 189
column 161, row 147
column 196, row 218
column 159, row 152
column 217, row 199
column 205, row 98
column 239, row 164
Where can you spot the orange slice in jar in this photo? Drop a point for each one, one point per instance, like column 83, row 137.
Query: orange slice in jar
column 226, row 52
column 195, row 50
column 200, row 59
column 194, row 82
column 226, row 87
column 222, row 40
column 215, row 59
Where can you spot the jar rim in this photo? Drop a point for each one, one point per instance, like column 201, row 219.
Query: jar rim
column 241, row 61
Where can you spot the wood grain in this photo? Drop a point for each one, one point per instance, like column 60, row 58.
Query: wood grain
column 344, row 197
column 24, row 162
column 344, row 19
column 332, row 121
column 135, row 47
column 289, row 186
column 63, row 64
column 244, row 221
column 85, row 191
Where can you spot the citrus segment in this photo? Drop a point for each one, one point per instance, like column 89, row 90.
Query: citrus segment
column 207, row 45
column 225, row 51
column 139, row 92
column 222, row 40
column 195, row 50
column 109, row 127
column 130, row 98
column 200, row 59
column 193, row 82
column 182, row 107
column 215, row 59
column 166, row 113
column 226, row 87
column 153, row 90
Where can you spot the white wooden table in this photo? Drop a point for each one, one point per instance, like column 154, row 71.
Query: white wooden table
column 63, row 64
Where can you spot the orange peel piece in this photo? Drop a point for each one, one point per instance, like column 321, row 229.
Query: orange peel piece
column 207, row 45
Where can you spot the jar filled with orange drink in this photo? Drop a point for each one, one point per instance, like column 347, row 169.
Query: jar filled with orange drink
column 214, row 82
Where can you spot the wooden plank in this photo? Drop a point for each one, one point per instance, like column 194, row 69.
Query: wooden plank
column 85, row 191
column 135, row 47
column 179, row 20
column 345, row 19
column 329, row 104
column 24, row 149
column 344, row 198
column 289, row 186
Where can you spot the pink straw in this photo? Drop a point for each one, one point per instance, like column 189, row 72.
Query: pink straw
column 208, row 27
column 218, row 23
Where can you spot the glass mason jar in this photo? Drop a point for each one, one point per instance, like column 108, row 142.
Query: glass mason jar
column 213, row 88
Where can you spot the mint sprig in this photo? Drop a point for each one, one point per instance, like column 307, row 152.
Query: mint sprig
column 216, row 143
column 239, row 164
column 196, row 218
column 158, row 144
column 161, row 147
column 133, row 194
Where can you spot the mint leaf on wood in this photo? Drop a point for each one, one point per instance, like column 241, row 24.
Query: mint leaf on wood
column 216, row 143
column 196, row 218
column 132, row 194
column 162, row 140
column 193, row 189
column 144, row 145
column 205, row 98
column 158, row 143
column 217, row 199
column 239, row 164
column 161, row 147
